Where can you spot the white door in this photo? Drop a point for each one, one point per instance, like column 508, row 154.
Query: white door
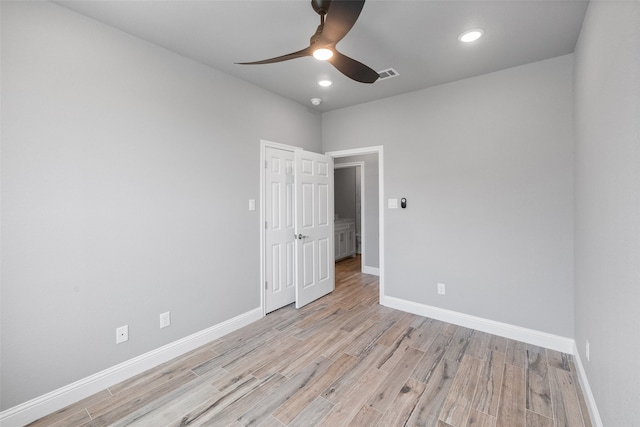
column 279, row 234
column 314, row 226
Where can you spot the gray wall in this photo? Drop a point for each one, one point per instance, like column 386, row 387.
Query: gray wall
column 607, row 203
column 344, row 184
column 486, row 166
column 371, row 199
column 126, row 171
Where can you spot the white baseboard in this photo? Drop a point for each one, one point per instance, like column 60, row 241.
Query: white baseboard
column 530, row 336
column 46, row 404
column 371, row 270
column 586, row 390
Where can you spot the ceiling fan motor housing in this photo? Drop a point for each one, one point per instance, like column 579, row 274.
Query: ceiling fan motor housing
column 317, row 34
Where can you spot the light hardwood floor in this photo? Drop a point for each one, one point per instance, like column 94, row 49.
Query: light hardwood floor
column 345, row 360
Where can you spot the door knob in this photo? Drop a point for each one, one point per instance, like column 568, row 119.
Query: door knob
column 300, row 236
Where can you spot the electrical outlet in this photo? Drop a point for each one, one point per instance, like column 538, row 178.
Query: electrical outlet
column 165, row 319
column 586, row 350
column 441, row 288
column 122, row 334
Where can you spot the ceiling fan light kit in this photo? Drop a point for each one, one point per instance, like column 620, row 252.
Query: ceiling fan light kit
column 322, row 54
column 341, row 15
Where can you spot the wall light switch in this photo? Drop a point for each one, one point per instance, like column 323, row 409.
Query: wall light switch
column 165, row 319
column 393, row 203
column 252, row 205
column 587, row 350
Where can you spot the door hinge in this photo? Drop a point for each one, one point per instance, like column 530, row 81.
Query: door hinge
column 266, row 285
column 266, row 164
column 265, row 225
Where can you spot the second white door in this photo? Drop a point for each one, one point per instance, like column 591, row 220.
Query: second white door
column 279, row 234
column 315, row 263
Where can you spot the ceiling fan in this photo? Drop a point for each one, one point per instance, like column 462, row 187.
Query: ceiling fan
column 341, row 16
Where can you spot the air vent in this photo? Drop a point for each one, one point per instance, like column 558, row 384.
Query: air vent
column 388, row 73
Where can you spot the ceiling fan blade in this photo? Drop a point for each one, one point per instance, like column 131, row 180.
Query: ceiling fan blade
column 353, row 69
column 294, row 55
column 340, row 18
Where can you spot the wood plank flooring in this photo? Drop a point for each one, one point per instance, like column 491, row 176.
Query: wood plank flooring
column 344, row 360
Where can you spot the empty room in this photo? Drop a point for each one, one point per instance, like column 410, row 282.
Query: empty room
column 175, row 246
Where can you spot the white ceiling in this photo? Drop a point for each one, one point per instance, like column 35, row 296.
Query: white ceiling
column 416, row 38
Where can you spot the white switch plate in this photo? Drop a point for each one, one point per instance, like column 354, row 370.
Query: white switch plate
column 441, row 288
column 165, row 319
column 587, row 350
column 393, row 203
column 122, row 334
column 252, row 204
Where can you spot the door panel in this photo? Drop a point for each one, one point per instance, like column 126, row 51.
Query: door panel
column 323, row 246
column 279, row 235
column 307, row 205
column 307, row 264
column 314, row 214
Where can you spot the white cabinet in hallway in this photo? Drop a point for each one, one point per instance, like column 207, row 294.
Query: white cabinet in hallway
column 345, row 238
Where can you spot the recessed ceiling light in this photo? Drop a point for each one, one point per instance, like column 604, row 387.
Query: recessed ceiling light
column 324, row 83
column 470, row 36
column 316, row 101
column 322, row 54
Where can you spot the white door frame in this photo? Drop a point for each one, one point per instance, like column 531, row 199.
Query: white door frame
column 263, row 145
column 362, row 203
column 378, row 149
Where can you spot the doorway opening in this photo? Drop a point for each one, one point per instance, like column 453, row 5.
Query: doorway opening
column 371, row 161
column 349, row 182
